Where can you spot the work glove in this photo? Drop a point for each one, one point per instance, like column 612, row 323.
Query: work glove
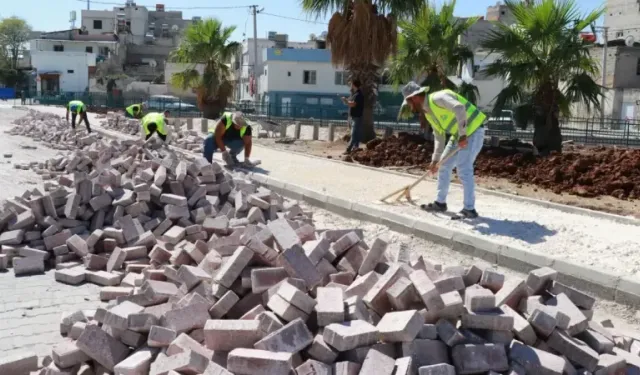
column 226, row 157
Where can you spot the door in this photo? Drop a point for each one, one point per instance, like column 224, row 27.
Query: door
column 286, row 107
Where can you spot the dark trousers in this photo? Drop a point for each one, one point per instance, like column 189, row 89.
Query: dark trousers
column 84, row 117
column 209, row 146
column 154, row 129
column 356, row 133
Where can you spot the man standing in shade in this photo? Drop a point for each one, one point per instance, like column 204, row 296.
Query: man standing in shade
column 450, row 114
column 76, row 107
column 356, row 108
column 231, row 135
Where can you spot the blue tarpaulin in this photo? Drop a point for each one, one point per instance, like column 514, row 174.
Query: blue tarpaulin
column 7, row 93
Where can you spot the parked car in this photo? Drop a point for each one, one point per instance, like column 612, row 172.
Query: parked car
column 505, row 121
column 168, row 102
column 245, row 106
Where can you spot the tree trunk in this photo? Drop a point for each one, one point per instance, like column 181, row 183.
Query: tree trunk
column 369, row 77
column 547, row 136
column 211, row 111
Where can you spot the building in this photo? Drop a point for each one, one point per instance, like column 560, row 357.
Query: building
column 244, row 64
column 488, row 87
column 304, row 83
column 622, row 17
column 67, row 65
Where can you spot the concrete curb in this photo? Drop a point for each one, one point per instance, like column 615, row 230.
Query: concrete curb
column 621, row 289
column 558, row 206
column 618, row 288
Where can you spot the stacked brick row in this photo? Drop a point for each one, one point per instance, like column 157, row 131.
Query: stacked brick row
column 206, row 273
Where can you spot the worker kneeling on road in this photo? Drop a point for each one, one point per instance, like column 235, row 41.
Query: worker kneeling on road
column 76, row 107
column 155, row 122
column 233, row 132
column 134, row 111
column 450, row 113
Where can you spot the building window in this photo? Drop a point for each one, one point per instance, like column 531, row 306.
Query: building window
column 341, row 78
column 97, row 24
column 59, row 48
column 309, row 77
column 312, row 101
column 619, row 34
column 265, row 72
column 88, row 49
column 104, row 51
column 70, row 71
column 638, row 68
column 326, row 101
column 288, row 74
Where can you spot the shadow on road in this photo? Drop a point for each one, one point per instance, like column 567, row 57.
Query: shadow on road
column 526, row 231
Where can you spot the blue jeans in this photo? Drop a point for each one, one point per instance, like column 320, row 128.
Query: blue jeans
column 235, row 146
column 463, row 162
column 356, row 133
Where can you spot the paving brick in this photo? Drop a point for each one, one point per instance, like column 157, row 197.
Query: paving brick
column 226, row 335
column 350, row 335
column 474, row 359
column 542, row 322
column 71, row 276
column 192, row 276
column 22, row 363
column 160, row 337
column 223, row 305
column 67, row 354
column 138, row 363
column 141, row 322
column 28, row 266
column 316, row 249
column 187, row 362
column 285, row 310
column 599, row 342
column 186, row 318
column 536, row 361
column 284, row 235
column 577, row 351
column 265, row 278
column 511, row 292
column 521, row 327
column 576, row 322
column 101, row 347
column 539, row 279
column 13, row 237
column 427, row 290
column 116, row 259
column 321, row 351
column 232, row 269
column 424, row 352
column 352, row 259
column 494, row 320
column 296, row 297
column 297, row 265
column 269, row 322
column 291, row 338
column 314, row 367
column 449, row 334
column 378, row 363
column 479, row 299
column 579, row 298
column 361, row 285
column 399, row 326
column 117, row 316
column 330, row 307
column 373, row 256
column 258, row 362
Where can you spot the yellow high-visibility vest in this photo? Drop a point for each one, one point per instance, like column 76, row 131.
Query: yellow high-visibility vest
column 154, row 118
column 444, row 121
column 76, row 106
column 228, row 124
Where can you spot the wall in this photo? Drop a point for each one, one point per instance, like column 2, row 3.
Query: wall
column 172, row 68
column 63, row 63
column 622, row 66
column 623, row 18
column 72, row 45
column 488, row 87
column 108, row 18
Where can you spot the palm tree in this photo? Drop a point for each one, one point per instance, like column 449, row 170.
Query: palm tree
column 206, row 48
column 362, row 34
column 546, row 63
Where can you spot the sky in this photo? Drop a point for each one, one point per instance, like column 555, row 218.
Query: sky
column 283, row 16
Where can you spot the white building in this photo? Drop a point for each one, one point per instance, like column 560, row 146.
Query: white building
column 488, row 87
column 67, row 65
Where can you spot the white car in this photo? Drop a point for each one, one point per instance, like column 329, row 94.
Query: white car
column 168, row 102
column 505, row 121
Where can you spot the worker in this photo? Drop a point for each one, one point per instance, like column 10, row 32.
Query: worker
column 451, row 114
column 231, row 135
column 76, row 107
column 155, row 122
column 134, row 111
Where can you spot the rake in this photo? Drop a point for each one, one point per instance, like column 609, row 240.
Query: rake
column 406, row 191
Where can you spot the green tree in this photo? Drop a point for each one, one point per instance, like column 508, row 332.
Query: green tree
column 362, row 34
column 206, row 43
column 14, row 33
column 546, row 63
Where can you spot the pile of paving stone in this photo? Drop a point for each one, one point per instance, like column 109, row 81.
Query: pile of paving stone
column 52, row 130
column 206, row 273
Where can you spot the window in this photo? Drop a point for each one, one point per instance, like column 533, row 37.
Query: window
column 88, row 49
column 97, row 24
column 309, row 77
column 70, row 71
column 312, row 101
column 104, row 51
column 619, row 34
column 638, row 68
column 326, row 101
column 265, row 72
column 288, row 74
column 59, row 48
column 341, row 78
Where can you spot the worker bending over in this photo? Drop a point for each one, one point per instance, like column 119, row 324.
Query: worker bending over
column 76, row 107
column 155, row 122
column 450, row 114
column 134, row 111
column 230, row 132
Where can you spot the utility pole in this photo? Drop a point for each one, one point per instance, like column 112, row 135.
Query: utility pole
column 88, row 4
column 255, row 11
column 605, row 41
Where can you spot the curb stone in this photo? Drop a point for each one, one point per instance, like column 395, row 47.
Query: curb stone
column 622, row 289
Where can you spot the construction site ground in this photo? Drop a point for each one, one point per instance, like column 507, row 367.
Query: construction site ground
column 31, row 306
column 334, row 150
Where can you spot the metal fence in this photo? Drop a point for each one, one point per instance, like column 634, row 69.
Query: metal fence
column 588, row 131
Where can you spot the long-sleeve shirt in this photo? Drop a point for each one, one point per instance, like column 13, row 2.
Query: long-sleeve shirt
column 445, row 100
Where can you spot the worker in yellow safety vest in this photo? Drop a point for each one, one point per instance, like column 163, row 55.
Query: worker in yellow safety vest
column 155, row 122
column 134, row 111
column 231, row 135
column 451, row 114
column 76, row 107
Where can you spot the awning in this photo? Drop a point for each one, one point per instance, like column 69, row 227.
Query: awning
column 50, row 73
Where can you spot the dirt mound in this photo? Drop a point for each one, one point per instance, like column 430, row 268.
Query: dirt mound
column 586, row 172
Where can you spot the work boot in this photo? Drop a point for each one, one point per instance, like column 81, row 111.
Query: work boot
column 434, row 207
column 235, row 160
column 466, row 214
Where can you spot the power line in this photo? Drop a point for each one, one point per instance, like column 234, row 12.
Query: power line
column 176, row 8
column 293, row 18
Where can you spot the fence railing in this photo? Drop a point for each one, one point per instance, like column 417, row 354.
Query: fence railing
column 589, row 131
